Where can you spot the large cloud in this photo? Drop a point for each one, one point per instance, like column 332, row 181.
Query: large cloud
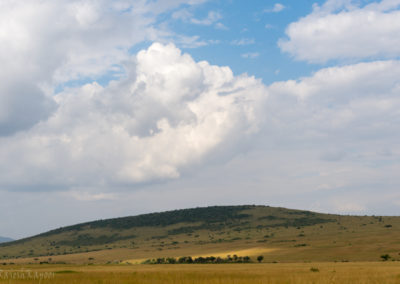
column 48, row 43
column 335, row 132
column 341, row 30
column 347, row 98
column 168, row 114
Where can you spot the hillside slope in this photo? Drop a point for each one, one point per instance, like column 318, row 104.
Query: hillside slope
column 279, row 234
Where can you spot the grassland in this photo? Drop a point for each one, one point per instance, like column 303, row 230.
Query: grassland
column 297, row 273
column 279, row 234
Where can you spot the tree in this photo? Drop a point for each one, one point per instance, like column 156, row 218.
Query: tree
column 385, row 257
column 246, row 259
column 171, row 260
column 260, row 258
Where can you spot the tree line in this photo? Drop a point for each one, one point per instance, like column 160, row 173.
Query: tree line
column 201, row 260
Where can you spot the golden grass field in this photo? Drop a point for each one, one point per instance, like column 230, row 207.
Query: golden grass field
column 297, row 247
column 296, row 273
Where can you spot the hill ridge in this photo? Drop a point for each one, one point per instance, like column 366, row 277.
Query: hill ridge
column 149, row 221
column 215, row 230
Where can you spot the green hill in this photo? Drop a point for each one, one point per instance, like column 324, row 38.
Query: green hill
column 278, row 234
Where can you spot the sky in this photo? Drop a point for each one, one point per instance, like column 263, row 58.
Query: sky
column 118, row 108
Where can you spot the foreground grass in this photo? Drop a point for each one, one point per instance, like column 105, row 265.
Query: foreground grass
column 360, row 272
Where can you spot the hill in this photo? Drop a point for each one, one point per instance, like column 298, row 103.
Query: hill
column 279, row 234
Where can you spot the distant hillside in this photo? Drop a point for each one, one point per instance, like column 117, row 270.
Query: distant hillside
column 4, row 239
column 279, row 234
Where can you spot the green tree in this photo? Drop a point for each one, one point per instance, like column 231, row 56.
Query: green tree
column 260, row 258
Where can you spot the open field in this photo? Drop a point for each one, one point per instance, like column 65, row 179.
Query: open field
column 297, row 247
column 296, row 273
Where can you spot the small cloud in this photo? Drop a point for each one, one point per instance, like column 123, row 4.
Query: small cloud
column 243, row 41
column 268, row 26
column 277, row 71
column 213, row 41
column 195, row 41
column 191, row 41
column 182, row 14
column 250, row 55
column 221, row 26
column 212, row 17
column 278, row 7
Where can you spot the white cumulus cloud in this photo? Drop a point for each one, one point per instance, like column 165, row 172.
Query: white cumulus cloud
column 168, row 114
column 45, row 44
column 344, row 31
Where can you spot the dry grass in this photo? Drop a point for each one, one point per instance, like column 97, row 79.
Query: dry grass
column 297, row 273
column 348, row 238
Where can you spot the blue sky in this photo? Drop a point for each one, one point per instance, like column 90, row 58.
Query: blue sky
column 125, row 107
column 250, row 29
column 242, row 36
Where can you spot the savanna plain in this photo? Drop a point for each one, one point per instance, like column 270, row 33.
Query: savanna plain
column 222, row 244
column 319, row 272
